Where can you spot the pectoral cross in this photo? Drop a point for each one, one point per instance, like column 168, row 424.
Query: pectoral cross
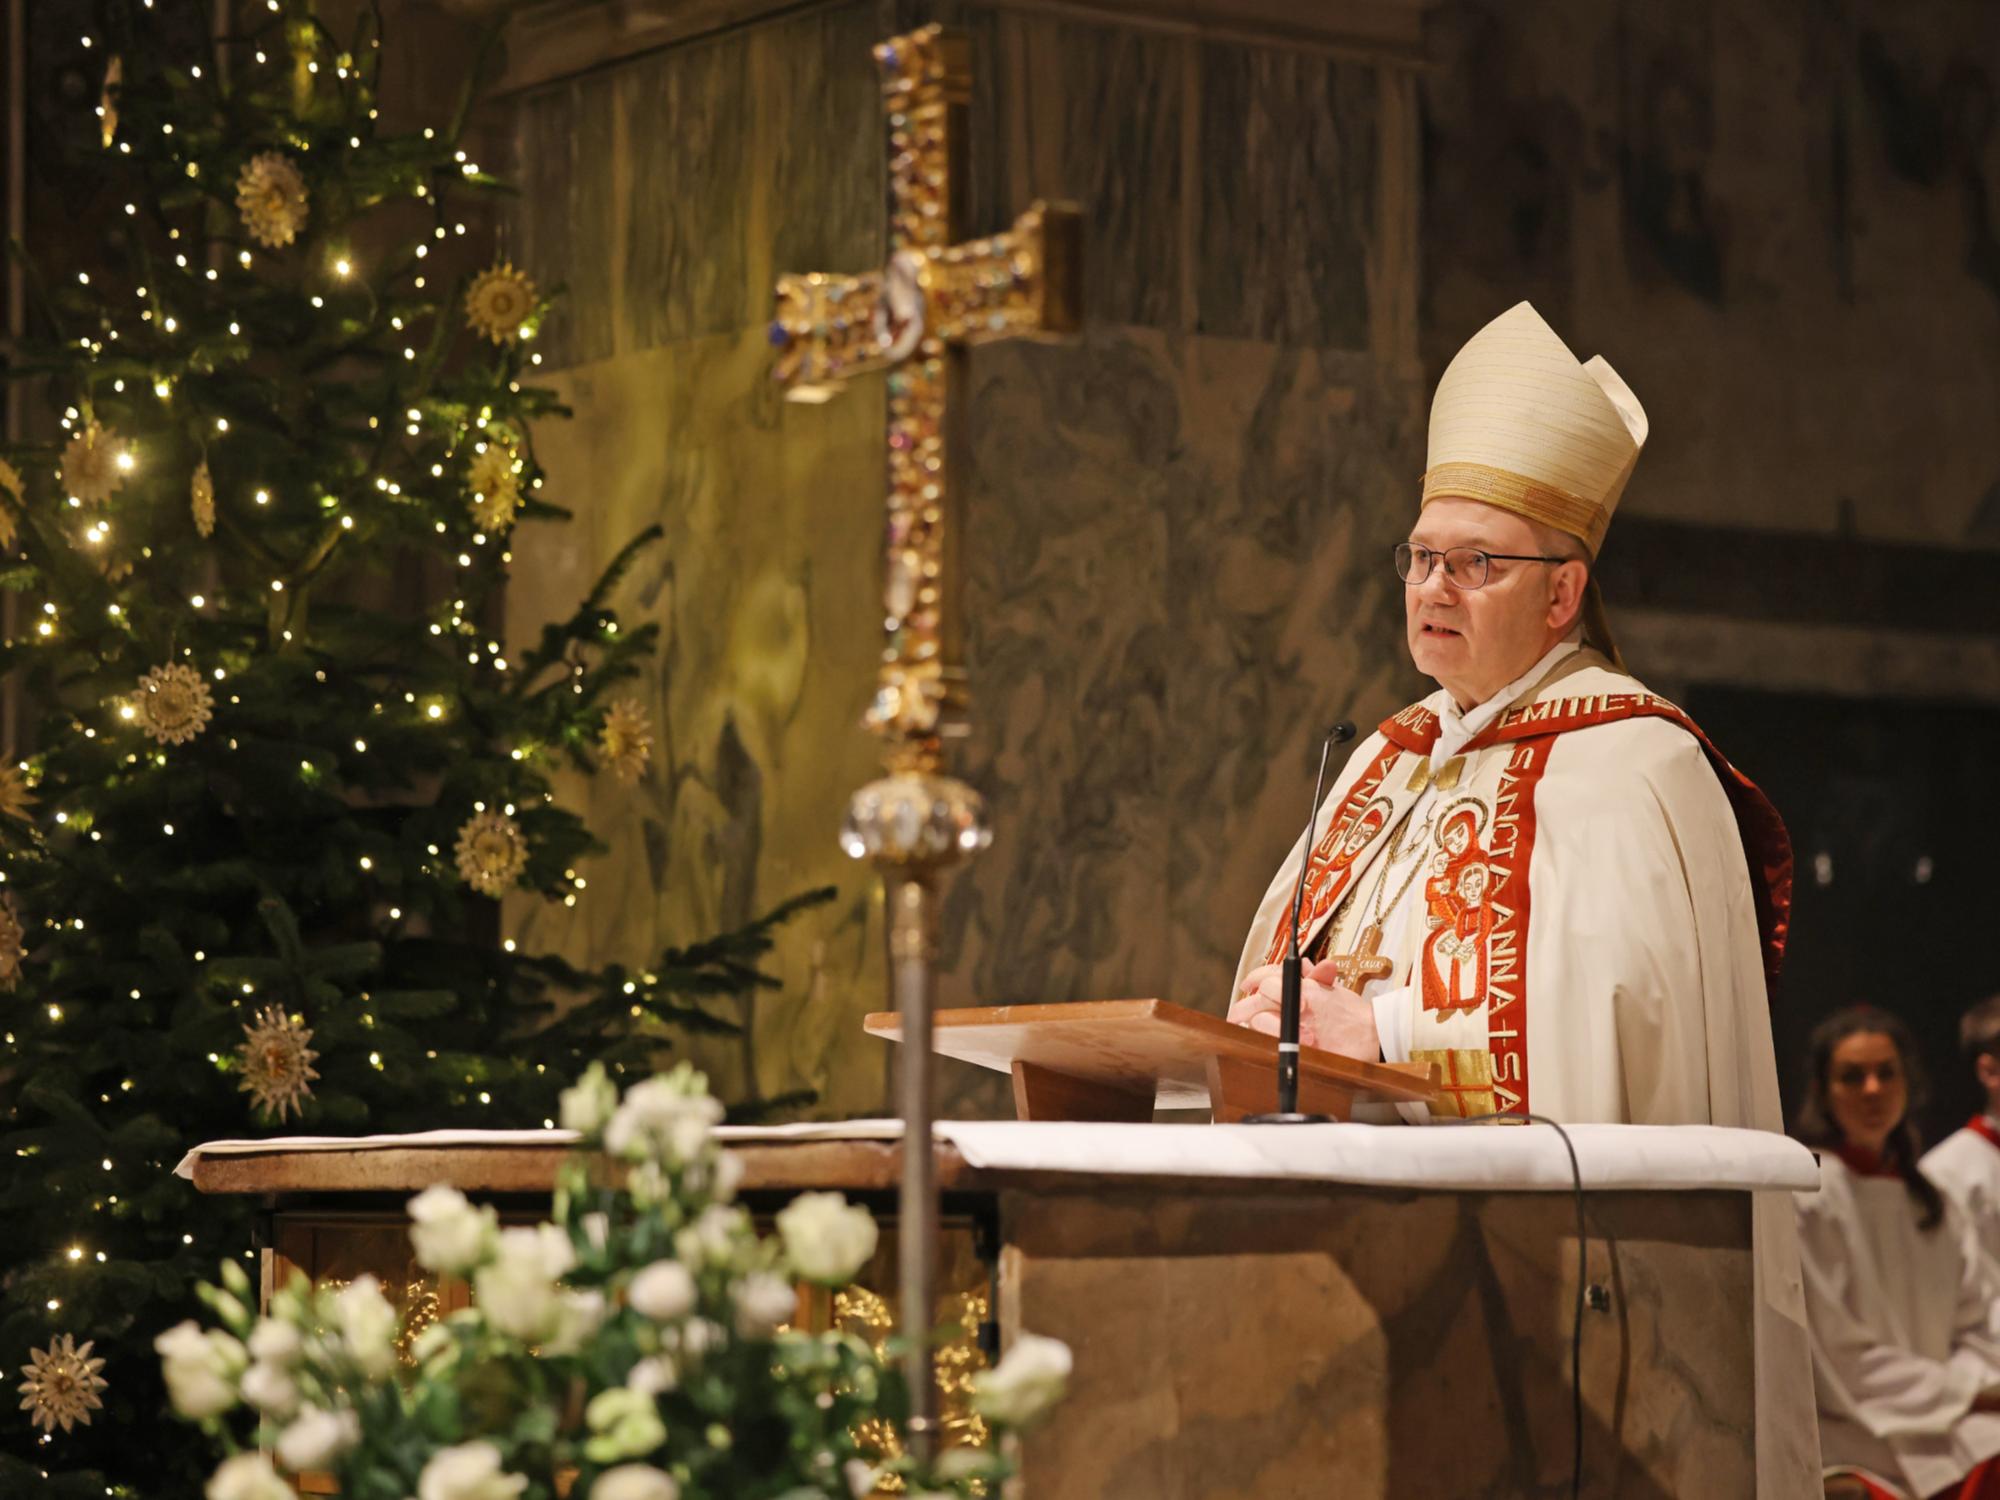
column 1357, row 968
column 914, row 319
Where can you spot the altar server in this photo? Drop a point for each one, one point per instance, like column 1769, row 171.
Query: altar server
column 1966, row 1163
column 1899, row 1295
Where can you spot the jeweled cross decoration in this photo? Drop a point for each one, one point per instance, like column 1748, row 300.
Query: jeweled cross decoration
column 915, row 319
column 935, row 297
column 1365, row 963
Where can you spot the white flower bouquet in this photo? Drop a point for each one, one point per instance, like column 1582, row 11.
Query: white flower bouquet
column 637, row 1346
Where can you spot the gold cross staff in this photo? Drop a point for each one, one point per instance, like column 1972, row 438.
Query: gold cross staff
column 915, row 319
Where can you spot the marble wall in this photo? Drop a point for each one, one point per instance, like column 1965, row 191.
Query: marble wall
column 1177, row 527
column 1780, row 222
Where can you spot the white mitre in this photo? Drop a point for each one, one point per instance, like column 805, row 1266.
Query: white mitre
column 1519, row 422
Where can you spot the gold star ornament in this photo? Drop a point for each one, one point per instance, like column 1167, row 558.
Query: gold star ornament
column 271, row 198
column 201, row 499
column 492, row 852
column 173, row 704
column 94, row 464
column 625, row 742
column 496, row 488
column 277, row 1063
column 499, row 303
column 62, row 1385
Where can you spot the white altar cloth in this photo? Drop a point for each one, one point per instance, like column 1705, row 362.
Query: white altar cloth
column 1503, row 1158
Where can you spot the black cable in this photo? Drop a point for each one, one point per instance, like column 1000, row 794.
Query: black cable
column 1582, row 1273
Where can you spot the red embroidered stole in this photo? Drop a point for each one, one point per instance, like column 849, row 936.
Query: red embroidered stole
column 1532, row 730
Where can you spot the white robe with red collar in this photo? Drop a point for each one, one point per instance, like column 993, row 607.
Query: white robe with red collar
column 1636, row 890
column 1901, row 1331
column 1966, row 1167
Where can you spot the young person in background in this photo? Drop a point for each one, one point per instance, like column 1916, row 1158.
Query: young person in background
column 1898, row 1292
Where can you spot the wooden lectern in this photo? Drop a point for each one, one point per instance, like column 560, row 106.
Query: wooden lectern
column 1119, row 1060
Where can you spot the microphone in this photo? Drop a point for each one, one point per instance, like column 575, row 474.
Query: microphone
column 1290, row 972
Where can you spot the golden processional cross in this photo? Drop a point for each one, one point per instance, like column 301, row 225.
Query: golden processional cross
column 914, row 319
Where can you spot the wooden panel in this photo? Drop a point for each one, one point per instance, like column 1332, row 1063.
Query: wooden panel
column 1134, row 1043
column 1042, row 1094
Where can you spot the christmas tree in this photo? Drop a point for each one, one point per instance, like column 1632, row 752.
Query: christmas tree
column 283, row 765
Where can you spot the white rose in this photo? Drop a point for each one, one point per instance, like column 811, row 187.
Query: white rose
column 634, row 1482
column 728, row 1175
column 471, row 1471
column 658, row 1119
column 316, row 1438
column 695, row 1337
column 449, row 1235
column 578, row 1316
column 200, row 1369
column 663, row 1291
column 653, row 1376
column 587, row 1104
column 1029, row 1379
column 763, row 1301
column 517, row 1288
column 826, row 1238
column 434, row 1341
column 367, row 1326
column 860, row 1478
column 711, row 1238
column 247, row 1476
column 275, row 1343
column 270, row 1390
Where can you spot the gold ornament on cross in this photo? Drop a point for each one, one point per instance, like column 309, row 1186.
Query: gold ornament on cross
column 936, row 297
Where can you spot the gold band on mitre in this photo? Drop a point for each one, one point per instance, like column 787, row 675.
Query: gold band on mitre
column 1586, row 520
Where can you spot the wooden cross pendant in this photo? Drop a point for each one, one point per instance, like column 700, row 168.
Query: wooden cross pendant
column 1357, row 968
column 915, row 318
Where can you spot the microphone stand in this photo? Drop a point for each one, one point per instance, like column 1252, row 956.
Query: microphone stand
column 1291, row 971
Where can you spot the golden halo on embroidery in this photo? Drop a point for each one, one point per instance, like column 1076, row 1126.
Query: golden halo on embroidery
column 1445, row 820
column 1361, row 831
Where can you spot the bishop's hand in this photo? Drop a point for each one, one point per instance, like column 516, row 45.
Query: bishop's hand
column 1331, row 1017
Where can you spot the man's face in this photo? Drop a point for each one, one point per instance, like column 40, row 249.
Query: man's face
column 1473, row 642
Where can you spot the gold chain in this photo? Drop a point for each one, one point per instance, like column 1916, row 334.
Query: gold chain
column 1416, row 866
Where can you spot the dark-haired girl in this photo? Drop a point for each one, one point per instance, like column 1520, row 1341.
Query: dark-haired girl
column 1898, row 1295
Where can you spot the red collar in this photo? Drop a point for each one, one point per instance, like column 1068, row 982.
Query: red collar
column 1982, row 1126
column 1866, row 1163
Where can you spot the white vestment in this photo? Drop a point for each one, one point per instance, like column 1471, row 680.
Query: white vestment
column 1575, row 932
column 1966, row 1167
column 1901, row 1335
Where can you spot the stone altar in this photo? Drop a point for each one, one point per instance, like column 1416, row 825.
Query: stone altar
column 1267, row 1313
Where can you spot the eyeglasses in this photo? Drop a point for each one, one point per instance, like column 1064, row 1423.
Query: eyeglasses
column 1464, row 567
